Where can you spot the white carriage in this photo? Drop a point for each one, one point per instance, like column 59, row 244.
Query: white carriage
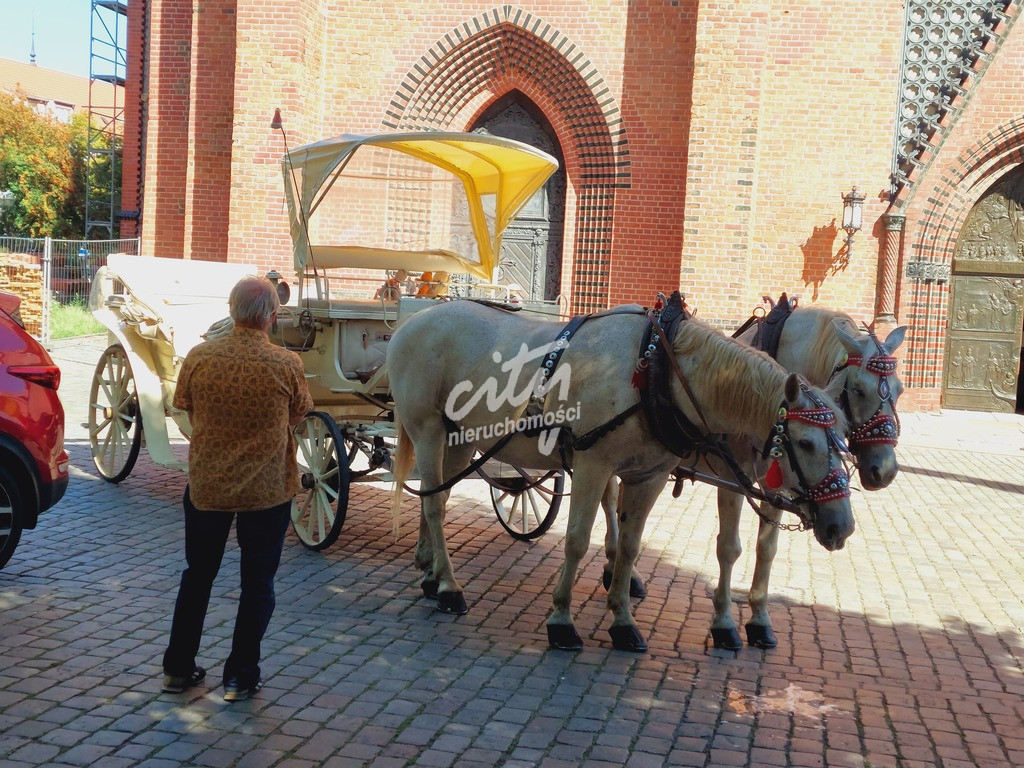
column 430, row 205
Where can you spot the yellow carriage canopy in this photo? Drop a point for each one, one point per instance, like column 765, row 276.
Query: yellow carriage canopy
column 425, row 201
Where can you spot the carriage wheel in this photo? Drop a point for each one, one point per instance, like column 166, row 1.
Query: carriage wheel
column 318, row 511
column 527, row 506
column 115, row 424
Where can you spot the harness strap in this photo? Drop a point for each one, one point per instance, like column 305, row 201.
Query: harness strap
column 565, row 443
column 588, row 440
column 473, row 467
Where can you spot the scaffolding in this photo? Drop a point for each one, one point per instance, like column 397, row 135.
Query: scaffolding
column 107, row 70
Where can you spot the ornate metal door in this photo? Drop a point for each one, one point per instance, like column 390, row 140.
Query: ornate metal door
column 531, row 250
column 983, row 348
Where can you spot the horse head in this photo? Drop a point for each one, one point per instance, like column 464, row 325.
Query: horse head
column 868, row 388
column 806, row 460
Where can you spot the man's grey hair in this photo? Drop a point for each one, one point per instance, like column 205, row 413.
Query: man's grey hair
column 252, row 301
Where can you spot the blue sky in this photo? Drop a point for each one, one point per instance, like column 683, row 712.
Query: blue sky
column 62, row 33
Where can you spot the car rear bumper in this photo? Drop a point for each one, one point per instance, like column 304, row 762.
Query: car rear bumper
column 51, row 493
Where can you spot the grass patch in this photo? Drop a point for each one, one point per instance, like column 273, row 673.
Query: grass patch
column 70, row 320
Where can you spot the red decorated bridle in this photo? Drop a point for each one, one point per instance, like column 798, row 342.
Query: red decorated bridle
column 836, row 483
column 881, row 428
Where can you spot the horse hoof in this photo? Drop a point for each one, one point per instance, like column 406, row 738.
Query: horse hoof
column 429, row 587
column 636, row 587
column 761, row 636
column 627, row 638
column 563, row 637
column 452, row 602
column 727, row 639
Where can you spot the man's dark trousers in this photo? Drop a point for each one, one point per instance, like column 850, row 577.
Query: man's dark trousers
column 260, row 541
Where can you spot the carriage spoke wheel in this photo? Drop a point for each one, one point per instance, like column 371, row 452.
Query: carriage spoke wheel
column 527, row 506
column 115, row 424
column 318, row 510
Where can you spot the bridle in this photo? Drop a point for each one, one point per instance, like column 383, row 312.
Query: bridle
column 836, row 482
column 880, row 428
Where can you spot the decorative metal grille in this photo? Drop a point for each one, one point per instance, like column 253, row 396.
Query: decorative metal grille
column 945, row 43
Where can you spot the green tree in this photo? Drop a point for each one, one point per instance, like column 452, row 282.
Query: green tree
column 42, row 162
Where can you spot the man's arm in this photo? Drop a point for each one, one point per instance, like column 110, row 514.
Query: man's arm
column 301, row 402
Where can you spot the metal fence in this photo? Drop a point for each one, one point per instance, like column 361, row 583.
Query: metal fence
column 65, row 272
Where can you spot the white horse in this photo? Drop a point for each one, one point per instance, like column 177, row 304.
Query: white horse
column 857, row 369
column 462, row 375
column 824, row 346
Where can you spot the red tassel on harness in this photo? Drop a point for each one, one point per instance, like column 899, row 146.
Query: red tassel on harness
column 774, row 477
column 640, row 374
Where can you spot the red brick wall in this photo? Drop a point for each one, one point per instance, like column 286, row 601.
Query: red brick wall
column 707, row 144
column 208, row 177
column 791, row 109
column 166, row 142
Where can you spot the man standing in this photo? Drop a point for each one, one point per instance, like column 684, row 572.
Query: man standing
column 243, row 395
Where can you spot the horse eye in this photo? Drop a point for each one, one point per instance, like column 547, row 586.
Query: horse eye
column 858, row 392
column 805, row 444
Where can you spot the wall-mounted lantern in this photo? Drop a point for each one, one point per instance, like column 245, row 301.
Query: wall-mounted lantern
column 853, row 215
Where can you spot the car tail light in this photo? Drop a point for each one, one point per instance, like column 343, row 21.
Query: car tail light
column 44, row 375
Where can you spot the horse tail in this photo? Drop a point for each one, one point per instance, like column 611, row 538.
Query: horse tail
column 401, row 463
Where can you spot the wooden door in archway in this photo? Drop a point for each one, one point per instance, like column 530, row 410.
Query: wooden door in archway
column 986, row 309
column 531, row 251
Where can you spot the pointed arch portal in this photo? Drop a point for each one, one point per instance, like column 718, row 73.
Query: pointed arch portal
column 507, row 49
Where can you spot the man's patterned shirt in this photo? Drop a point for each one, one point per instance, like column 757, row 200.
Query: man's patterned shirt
column 243, row 395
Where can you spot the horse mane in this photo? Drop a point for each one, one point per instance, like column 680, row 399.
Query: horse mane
column 824, row 350
column 728, row 372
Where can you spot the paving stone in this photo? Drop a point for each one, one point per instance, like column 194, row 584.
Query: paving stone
column 899, row 650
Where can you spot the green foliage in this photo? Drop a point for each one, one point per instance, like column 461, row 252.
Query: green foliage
column 74, row 319
column 42, row 161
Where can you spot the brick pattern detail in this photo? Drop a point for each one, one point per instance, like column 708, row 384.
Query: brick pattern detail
column 510, row 49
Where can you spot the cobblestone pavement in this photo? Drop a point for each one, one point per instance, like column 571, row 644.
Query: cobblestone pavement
column 904, row 649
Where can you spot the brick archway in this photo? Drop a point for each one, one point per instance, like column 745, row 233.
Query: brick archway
column 955, row 192
column 508, row 49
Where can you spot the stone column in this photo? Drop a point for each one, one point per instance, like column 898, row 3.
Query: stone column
column 894, row 224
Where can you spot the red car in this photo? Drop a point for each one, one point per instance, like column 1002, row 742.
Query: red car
column 33, row 463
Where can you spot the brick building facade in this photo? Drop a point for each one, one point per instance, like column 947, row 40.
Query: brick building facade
column 706, row 144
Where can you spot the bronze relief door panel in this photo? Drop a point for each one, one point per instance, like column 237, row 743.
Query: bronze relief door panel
column 983, row 346
column 983, row 342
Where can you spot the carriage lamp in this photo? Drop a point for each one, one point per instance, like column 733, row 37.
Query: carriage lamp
column 853, row 215
column 283, row 291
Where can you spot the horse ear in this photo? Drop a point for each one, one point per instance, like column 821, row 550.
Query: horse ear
column 894, row 339
column 849, row 340
column 835, row 387
column 792, row 388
